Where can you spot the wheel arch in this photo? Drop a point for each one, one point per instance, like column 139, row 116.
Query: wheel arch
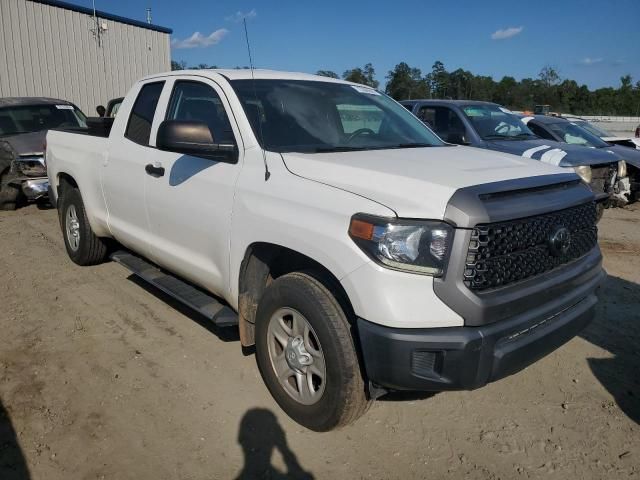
column 263, row 262
column 63, row 179
column 97, row 220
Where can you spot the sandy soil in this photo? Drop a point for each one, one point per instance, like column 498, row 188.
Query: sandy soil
column 102, row 377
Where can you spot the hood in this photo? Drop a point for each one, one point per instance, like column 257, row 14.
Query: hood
column 414, row 182
column 624, row 142
column 26, row 143
column 628, row 154
column 554, row 153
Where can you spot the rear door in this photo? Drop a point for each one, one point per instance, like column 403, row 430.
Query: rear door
column 189, row 207
column 123, row 172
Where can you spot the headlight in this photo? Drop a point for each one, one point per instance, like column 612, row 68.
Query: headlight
column 584, row 172
column 622, row 169
column 409, row 245
column 30, row 166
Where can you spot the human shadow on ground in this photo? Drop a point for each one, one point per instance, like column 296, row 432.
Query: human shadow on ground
column 260, row 435
column 616, row 329
column 12, row 462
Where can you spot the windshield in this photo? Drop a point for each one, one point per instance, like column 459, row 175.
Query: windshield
column 493, row 122
column 576, row 135
column 34, row 118
column 592, row 129
column 313, row 116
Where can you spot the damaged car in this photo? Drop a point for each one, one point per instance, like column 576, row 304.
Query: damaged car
column 24, row 122
column 624, row 141
column 493, row 127
column 627, row 188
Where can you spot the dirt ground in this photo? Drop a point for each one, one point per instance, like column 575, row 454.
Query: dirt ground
column 102, row 377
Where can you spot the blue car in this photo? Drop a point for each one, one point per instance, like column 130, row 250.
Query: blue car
column 488, row 125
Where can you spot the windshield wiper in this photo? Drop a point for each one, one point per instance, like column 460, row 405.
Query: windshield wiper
column 346, row 148
column 410, row 145
column 520, row 136
column 524, row 135
column 500, row 137
column 338, row 149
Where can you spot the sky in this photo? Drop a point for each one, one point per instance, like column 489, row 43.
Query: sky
column 594, row 42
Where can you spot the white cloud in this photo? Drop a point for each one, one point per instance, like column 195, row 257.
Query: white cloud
column 197, row 40
column 591, row 61
column 239, row 16
column 506, row 33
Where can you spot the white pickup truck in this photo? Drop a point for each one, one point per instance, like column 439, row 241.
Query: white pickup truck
column 356, row 250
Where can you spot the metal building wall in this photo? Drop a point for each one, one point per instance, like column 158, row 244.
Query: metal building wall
column 50, row 51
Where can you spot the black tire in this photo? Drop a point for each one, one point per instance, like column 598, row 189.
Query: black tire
column 9, row 193
column 343, row 399
column 90, row 249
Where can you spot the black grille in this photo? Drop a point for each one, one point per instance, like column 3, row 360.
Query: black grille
column 508, row 252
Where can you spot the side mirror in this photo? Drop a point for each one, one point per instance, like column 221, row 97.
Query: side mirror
column 193, row 138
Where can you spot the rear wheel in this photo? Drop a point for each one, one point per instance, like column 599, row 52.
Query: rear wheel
column 83, row 246
column 306, row 354
column 9, row 193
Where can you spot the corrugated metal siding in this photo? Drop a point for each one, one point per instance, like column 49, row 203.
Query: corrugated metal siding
column 49, row 51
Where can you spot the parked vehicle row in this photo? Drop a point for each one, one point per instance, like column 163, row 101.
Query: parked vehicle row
column 358, row 251
column 493, row 127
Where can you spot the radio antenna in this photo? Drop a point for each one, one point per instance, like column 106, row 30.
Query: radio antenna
column 267, row 173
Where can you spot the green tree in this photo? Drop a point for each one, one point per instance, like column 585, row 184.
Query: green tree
column 405, row 83
column 327, row 73
column 438, row 80
column 549, row 76
column 370, row 75
column 365, row 76
column 181, row 65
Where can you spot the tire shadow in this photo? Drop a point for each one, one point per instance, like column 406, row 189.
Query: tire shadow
column 616, row 329
column 260, row 434
column 12, row 462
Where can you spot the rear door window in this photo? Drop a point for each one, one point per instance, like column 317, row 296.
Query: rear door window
column 360, row 117
column 139, row 126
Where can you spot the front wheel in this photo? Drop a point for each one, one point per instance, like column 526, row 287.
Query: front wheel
column 306, row 354
column 83, row 246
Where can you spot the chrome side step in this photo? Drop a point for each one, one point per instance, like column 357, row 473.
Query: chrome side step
column 193, row 297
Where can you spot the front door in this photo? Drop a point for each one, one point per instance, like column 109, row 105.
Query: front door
column 190, row 206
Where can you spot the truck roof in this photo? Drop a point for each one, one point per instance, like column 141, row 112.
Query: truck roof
column 26, row 101
column 245, row 74
column 547, row 119
column 434, row 101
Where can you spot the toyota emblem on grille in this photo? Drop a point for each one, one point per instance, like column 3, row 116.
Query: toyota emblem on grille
column 559, row 241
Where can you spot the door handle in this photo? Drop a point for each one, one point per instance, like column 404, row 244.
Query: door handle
column 154, row 170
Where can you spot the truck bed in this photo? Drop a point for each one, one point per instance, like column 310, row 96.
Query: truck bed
column 96, row 127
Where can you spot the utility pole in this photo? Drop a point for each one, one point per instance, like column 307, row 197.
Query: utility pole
column 97, row 32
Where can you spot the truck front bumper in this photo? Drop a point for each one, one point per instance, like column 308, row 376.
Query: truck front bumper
column 465, row 358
